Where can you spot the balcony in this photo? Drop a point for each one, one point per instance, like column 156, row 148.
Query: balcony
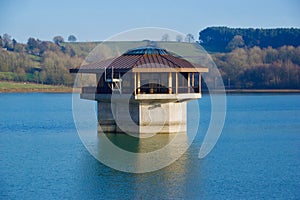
column 146, row 92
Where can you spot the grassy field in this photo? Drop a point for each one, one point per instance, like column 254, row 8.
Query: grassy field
column 6, row 86
column 186, row 50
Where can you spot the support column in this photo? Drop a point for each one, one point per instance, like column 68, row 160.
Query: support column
column 199, row 84
column 193, row 79
column 139, row 82
column 134, row 84
column 170, row 82
column 176, row 80
column 81, row 81
column 189, row 82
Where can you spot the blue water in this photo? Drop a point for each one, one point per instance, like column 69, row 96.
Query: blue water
column 257, row 155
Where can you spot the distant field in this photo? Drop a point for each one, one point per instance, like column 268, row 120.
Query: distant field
column 190, row 51
column 6, row 86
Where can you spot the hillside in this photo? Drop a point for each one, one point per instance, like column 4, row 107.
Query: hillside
column 246, row 58
column 225, row 39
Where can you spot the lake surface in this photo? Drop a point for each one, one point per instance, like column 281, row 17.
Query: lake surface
column 257, row 155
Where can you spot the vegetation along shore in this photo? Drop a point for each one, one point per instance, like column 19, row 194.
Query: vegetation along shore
column 23, row 87
column 31, row 87
column 248, row 60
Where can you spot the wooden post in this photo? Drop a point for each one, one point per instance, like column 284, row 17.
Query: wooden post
column 170, row 82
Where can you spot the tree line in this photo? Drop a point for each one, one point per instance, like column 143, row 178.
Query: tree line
column 243, row 63
column 38, row 61
column 255, row 58
column 224, row 39
column 260, row 68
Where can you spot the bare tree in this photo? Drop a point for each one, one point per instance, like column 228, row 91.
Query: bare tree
column 189, row 38
column 236, row 42
column 165, row 37
column 179, row 38
column 7, row 42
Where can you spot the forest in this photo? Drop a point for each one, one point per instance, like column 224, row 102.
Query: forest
column 224, row 39
column 255, row 58
column 246, row 58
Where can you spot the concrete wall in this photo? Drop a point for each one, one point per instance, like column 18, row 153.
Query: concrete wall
column 141, row 117
column 106, row 121
column 163, row 117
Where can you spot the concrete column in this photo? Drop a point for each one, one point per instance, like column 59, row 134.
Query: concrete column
column 199, row 82
column 106, row 120
column 134, row 84
column 170, row 82
column 81, row 81
column 189, row 82
column 165, row 118
column 139, row 82
column 193, row 79
column 176, row 80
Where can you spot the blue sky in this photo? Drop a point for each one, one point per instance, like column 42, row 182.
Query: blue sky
column 95, row 20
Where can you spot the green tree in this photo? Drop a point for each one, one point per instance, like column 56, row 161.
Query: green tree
column 31, row 45
column 218, row 38
column 42, row 46
column 58, row 40
column 1, row 42
column 14, row 42
column 72, row 38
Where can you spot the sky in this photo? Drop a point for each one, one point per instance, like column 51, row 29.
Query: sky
column 96, row 20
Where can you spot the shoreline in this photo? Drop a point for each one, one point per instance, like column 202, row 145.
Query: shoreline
column 237, row 91
column 26, row 87
column 35, row 90
column 77, row 90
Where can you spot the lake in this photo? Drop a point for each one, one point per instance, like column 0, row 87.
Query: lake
column 257, row 156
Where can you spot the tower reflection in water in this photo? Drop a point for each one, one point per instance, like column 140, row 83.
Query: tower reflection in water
column 136, row 155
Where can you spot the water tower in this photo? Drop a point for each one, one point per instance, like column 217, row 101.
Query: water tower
column 143, row 91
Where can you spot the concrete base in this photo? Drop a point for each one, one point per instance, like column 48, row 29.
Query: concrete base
column 141, row 117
